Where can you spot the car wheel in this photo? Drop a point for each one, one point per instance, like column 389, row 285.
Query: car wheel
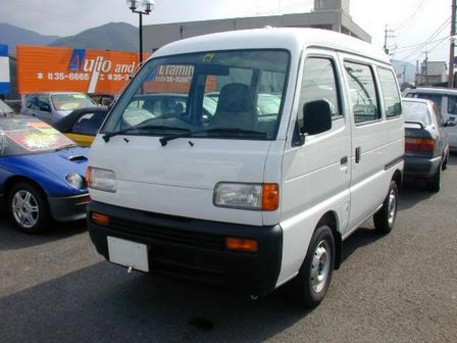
column 384, row 219
column 312, row 282
column 28, row 208
column 434, row 183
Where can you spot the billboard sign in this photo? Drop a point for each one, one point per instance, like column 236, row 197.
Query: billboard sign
column 5, row 85
column 46, row 69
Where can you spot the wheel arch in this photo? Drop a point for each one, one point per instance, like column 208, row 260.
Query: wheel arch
column 398, row 178
column 18, row 179
column 331, row 220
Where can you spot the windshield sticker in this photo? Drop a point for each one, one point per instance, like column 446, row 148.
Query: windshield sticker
column 208, row 58
column 37, row 141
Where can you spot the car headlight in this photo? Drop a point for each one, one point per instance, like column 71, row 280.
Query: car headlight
column 249, row 196
column 101, row 179
column 75, row 180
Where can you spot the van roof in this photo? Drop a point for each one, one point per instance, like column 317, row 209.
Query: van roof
column 292, row 39
column 431, row 90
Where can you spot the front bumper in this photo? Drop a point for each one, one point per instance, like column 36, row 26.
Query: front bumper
column 64, row 209
column 194, row 249
column 421, row 167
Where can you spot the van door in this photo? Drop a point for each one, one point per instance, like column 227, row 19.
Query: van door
column 377, row 142
column 317, row 166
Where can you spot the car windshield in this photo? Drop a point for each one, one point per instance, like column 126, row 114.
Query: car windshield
column 69, row 102
column 230, row 94
column 417, row 111
column 21, row 135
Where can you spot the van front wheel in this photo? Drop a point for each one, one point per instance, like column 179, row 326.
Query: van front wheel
column 312, row 282
column 384, row 219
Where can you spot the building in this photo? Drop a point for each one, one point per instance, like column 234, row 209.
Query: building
column 327, row 14
column 432, row 73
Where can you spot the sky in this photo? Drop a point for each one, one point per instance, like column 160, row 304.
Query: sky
column 410, row 23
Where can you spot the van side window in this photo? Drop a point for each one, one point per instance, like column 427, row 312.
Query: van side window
column 319, row 83
column 452, row 104
column 390, row 93
column 362, row 92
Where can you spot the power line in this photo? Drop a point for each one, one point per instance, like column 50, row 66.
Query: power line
column 403, row 48
column 429, row 39
column 406, row 23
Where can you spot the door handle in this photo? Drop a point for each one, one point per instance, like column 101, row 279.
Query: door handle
column 344, row 160
column 357, row 154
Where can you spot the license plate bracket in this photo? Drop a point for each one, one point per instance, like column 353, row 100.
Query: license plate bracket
column 128, row 253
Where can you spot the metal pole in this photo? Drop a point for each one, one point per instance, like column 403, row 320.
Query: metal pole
column 452, row 47
column 141, row 37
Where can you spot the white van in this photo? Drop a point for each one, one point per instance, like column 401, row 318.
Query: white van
column 288, row 140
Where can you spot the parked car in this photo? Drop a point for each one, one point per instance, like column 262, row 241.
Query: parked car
column 41, row 174
column 446, row 100
column 5, row 109
column 426, row 142
column 50, row 107
column 82, row 124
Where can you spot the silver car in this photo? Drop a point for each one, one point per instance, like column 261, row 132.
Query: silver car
column 426, row 141
column 50, row 107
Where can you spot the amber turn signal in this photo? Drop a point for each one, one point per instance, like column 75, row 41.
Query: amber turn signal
column 100, row 219
column 270, row 196
column 241, row 244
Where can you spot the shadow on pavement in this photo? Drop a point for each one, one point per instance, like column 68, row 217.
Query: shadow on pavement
column 102, row 303
column 12, row 239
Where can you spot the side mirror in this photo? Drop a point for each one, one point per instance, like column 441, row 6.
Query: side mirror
column 317, row 117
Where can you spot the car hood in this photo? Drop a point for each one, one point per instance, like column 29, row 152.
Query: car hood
column 63, row 161
column 49, row 169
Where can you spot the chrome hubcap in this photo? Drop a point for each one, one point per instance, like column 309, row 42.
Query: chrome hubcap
column 320, row 266
column 392, row 207
column 25, row 209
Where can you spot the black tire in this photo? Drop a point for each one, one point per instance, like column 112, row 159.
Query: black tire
column 313, row 280
column 384, row 219
column 434, row 183
column 445, row 161
column 28, row 208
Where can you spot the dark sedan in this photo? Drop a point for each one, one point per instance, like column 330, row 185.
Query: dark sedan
column 82, row 124
column 426, row 142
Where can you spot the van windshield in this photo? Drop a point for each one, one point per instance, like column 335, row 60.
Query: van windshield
column 231, row 94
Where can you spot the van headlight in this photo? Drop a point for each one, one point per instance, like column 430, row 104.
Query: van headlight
column 101, row 179
column 249, row 196
column 75, row 180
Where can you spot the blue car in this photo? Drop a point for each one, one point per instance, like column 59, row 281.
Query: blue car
column 41, row 174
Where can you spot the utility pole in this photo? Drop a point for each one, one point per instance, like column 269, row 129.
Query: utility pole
column 425, row 70
column 452, row 47
column 387, row 35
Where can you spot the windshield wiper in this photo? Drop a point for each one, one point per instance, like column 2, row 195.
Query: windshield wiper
column 68, row 146
column 106, row 137
column 236, row 131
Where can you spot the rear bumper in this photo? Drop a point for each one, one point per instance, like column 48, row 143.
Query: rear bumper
column 64, row 209
column 194, row 249
column 421, row 167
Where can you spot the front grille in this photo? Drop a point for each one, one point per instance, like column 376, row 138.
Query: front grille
column 168, row 235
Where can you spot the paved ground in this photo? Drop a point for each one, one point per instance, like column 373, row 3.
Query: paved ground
column 398, row 288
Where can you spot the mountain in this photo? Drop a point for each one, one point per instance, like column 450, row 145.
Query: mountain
column 112, row 36
column 13, row 35
column 406, row 72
